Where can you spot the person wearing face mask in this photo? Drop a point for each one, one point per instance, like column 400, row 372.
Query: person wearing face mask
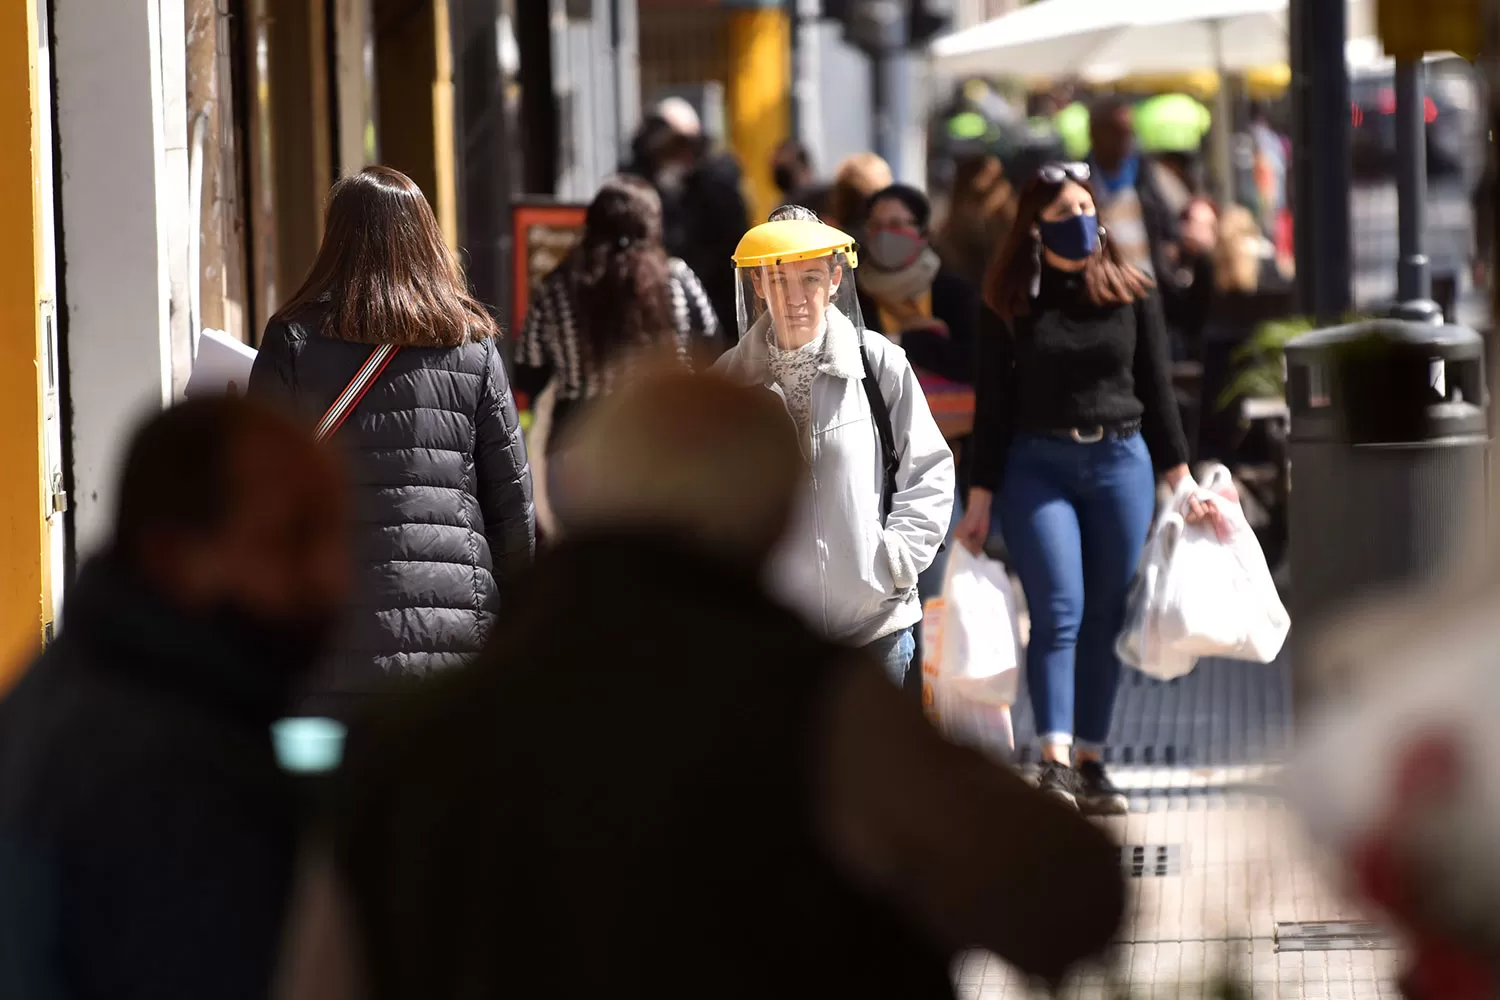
column 1075, row 415
column 933, row 313
column 147, row 835
column 880, row 494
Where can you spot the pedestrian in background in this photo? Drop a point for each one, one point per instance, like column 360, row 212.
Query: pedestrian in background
column 732, row 792
column 1141, row 223
column 442, row 491
column 615, row 295
column 147, row 836
column 881, row 475
column 1247, row 290
column 933, row 314
column 703, row 209
column 1074, row 406
column 792, row 169
column 856, row 179
column 980, row 212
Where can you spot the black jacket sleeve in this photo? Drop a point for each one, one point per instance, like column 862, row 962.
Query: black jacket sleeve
column 994, row 400
column 1161, row 422
column 956, row 303
column 504, row 477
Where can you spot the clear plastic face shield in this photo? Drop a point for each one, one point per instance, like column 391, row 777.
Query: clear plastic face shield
column 795, row 301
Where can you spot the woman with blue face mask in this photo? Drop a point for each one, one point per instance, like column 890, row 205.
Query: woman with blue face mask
column 1074, row 418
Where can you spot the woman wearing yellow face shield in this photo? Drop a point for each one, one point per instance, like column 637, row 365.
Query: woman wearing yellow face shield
column 880, row 494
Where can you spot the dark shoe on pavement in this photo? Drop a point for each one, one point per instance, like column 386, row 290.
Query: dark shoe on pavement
column 1059, row 781
column 1096, row 794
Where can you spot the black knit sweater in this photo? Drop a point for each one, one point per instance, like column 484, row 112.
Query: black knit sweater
column 1069, row 363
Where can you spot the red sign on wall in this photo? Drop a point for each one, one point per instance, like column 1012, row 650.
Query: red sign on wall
column 543, row 232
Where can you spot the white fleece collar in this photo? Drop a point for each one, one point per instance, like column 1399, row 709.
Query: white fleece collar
column 841, row 349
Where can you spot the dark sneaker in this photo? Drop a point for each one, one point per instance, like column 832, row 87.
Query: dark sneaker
column 1096, row 794
column 1058, row 780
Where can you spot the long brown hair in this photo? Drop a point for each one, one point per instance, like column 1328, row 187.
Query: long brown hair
column 621, row 273
column 384, row 272
column 1107, row 279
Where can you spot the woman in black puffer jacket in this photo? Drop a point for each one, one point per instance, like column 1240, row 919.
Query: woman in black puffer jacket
column 441, row 496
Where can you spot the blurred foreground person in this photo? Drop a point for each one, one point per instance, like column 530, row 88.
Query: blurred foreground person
column 731, row 793
column 147, row 835
column 443, row 513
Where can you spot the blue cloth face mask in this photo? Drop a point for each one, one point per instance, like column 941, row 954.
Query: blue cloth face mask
column 1073, row 238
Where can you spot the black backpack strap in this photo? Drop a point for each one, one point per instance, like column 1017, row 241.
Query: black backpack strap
column 882, row 415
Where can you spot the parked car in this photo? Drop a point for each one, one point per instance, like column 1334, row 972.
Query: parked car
column 1453, row 112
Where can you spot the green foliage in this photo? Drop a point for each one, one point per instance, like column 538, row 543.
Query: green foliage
column 1261, row 373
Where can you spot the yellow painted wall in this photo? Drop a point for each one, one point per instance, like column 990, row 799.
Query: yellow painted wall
column 760, row 91
column 24, row 588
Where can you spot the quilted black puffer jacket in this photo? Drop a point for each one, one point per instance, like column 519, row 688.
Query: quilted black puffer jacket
column 441, row 497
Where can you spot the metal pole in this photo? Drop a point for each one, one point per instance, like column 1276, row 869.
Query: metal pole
column 1413, row 276
column 889, row 84
column 807, row 118
column 799, row 56
column 1322, row 150
column 1223, row 123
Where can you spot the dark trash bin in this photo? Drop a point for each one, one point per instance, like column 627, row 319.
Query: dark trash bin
column 1388, row 453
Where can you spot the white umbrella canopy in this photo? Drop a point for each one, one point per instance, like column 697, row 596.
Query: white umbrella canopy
column 1103, row 40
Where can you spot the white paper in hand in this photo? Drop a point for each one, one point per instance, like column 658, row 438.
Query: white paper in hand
column 222, row 361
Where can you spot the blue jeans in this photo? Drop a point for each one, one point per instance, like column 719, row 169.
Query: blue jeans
column 894, row 653
column 1075, row 518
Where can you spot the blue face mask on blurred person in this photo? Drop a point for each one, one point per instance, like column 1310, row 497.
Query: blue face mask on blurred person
column 1073, row 238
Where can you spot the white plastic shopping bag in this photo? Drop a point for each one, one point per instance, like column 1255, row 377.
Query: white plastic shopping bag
column 972, row 656
column 1140, row 643
column 1216, row 597
column 1202, row 589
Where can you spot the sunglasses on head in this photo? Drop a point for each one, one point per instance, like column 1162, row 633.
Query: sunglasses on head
column 1056, row 173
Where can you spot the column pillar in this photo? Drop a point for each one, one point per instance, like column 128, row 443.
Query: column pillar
column 118, row 200
column 25, row 599
column 760, row 90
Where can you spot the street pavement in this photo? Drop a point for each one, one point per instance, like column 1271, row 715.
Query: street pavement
column 1375, row 243
column 1224, row 882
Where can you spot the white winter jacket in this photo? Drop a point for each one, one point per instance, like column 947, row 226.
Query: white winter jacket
column 852, row 578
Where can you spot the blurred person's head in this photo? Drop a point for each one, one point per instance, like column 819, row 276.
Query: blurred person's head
column 1187, row 167
column 1111, row 132
column 1058, row 222
column 234, row 514
column 621, row 271
column 785, row 212
column 896, row 227
column 384, row 271
column 669, row 144
column 715, row 463
column 858, row 177
column 791, row 167
column 1237, row 251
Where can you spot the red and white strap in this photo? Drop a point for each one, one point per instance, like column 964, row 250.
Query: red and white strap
column 355, row 390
